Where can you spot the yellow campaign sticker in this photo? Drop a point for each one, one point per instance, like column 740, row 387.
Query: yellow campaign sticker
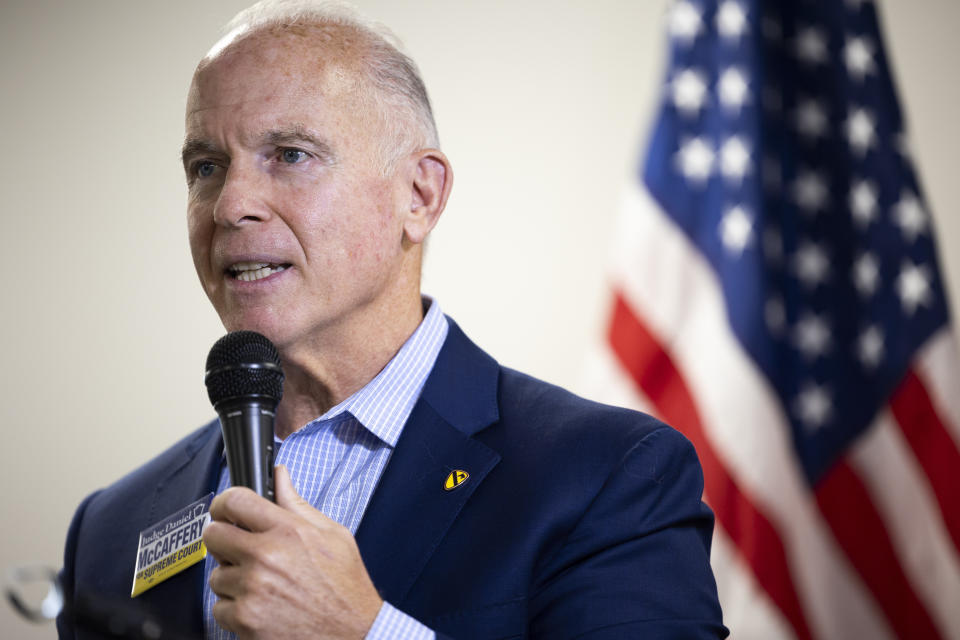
column 456, row 478
column 171, row 545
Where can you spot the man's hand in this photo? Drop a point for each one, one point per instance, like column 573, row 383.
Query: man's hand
column 286, row 570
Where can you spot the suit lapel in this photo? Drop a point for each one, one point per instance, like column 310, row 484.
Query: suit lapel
column 195, row 478
column 410, row 511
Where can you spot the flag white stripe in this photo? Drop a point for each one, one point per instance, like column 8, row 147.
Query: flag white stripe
column 938, row 367
column 690, row 321
column 906, row 503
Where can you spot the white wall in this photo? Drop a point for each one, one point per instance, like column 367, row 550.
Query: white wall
column 541, row 106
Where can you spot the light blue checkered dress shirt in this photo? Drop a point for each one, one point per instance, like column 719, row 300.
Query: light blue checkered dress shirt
column 336, row 460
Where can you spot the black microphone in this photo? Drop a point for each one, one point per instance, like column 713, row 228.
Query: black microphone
column 245, row 382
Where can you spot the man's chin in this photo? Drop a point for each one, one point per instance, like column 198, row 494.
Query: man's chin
column 270, row 327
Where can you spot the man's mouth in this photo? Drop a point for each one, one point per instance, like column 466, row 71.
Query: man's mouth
column 251, row 271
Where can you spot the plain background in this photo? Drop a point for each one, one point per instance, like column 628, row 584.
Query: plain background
column 542, row 108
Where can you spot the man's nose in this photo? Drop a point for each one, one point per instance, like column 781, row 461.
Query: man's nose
column 243, row 197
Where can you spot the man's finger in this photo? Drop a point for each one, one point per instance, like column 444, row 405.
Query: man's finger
column 227, row 543
column 225, row 581
column 244, row 508
column 287, row 496
column 223, row 613
column 289, row 499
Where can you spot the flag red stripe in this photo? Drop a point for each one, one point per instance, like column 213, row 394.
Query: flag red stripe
column 862, row 535
column 653, row 371
column 933, row 446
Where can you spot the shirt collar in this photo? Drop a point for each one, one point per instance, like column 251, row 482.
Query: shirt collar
column 383, row 405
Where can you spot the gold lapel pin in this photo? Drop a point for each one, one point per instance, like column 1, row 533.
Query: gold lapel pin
column 456, row 478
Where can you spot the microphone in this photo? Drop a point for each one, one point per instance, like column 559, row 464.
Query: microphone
column 245, row 382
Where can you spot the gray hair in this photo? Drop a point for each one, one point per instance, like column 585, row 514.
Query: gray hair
column 400, row 97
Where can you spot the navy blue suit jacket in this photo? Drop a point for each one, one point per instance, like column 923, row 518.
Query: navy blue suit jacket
column 578, row 520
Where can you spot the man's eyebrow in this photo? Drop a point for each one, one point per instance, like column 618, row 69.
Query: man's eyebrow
column 196, row 146
column 287, row 136
column 298, row 135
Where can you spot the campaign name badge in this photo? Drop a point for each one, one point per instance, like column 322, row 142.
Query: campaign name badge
column 171, row 545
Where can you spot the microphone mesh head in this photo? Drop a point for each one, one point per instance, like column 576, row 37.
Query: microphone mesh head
column 243, row 363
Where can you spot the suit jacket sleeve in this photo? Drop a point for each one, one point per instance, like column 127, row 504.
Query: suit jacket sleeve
column 637, row 565
column 65, row 630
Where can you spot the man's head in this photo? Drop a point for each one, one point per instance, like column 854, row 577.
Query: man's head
column 310, row 150
column 390, row 83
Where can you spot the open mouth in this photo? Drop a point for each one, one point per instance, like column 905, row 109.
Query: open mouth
column 251, row 271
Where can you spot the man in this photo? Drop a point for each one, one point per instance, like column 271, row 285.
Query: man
column 440, row 492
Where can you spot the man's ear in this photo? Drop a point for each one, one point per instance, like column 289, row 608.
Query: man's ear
column 432, row 181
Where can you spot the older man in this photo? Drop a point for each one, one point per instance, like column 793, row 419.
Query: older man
column 429, row 490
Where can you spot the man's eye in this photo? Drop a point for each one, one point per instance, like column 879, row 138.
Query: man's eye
column 205, row 169
column 292, row 156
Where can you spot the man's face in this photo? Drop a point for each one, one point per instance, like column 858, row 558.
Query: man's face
column 293, row 230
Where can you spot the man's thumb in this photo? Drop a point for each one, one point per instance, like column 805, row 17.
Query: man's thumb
column 287, row 496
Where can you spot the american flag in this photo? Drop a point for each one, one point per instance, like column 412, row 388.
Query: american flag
column 778, row 299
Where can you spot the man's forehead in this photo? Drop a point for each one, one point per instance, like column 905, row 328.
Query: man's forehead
column 288, row 50
column 287, row 61
column 256, row 123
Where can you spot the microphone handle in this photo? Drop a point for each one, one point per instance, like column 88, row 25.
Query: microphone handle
column 247, row 426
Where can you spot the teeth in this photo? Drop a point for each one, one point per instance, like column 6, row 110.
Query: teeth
column 249, row 266
column 251, row 271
